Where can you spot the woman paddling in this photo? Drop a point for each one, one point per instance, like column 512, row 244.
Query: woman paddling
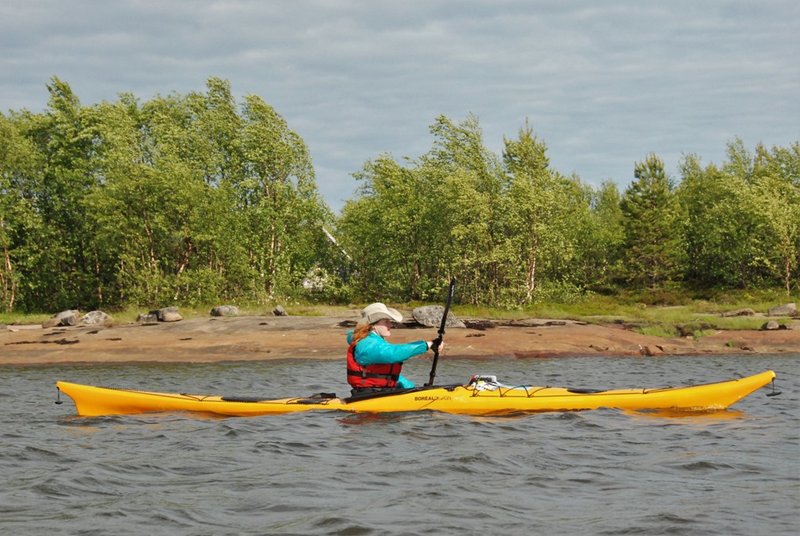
column 373, row 364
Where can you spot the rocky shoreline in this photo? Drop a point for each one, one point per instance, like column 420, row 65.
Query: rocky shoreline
column 251, row 338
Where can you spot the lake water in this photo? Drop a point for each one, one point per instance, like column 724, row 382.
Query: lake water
column 595, row 472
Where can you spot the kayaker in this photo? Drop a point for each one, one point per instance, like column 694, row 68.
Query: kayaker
column 374, row 364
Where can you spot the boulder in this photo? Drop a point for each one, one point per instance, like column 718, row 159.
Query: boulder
column 770, row 326
column 650, row 351
column 431, row 316
column 147, row 318
column 225, row 310
column 94, row 318
column 739, row 312
column 167, row 314
column 64, row 318
column 280, row 311
column 787, row 309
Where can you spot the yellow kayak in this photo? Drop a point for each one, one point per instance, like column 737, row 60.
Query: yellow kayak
column 482, row 395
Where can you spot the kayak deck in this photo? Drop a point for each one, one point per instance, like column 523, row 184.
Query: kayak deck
column 481, row 396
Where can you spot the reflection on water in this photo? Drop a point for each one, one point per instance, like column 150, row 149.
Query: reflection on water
column 690, row 416
column 596, row 472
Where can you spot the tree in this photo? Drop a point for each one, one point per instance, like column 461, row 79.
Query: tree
column 20, row 163
column 776, row 184
column 653, row 226
column 283, row 210
column 538, row 210
column 414, row 226
column 601, row 246
column 465, row 180
column 64, row 135
column 385, row 231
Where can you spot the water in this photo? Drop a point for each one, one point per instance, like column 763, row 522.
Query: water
column 595, row 472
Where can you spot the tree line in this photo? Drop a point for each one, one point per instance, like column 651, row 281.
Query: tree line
column 515, row 230
column 198, row 198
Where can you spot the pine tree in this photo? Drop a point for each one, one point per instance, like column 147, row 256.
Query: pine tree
column 652, row 224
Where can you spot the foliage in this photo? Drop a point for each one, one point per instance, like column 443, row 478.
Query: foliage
column 652, row 226
column 541, row 212
column 743, row 218
column 602, row 243
column 508, row 229
column 413, row 226
column 195, row 199
column 515, row 232
column 181, row 199
column 19, row 221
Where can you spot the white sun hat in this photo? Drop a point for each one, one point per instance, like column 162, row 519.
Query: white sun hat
column 378, row 311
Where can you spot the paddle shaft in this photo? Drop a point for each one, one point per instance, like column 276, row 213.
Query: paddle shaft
column 437, row 342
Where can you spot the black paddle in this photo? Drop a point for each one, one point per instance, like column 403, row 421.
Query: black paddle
column 437, row 342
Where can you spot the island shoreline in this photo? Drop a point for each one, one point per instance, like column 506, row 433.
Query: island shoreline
column 257, row 338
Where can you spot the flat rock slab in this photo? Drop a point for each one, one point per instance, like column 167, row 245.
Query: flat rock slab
column 788, row 309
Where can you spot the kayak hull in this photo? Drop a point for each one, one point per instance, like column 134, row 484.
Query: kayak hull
column 475, row 398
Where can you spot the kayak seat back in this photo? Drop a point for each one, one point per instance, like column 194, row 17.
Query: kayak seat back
column 368, row 394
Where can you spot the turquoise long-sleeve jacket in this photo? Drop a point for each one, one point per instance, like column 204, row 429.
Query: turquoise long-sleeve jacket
column 375, row 350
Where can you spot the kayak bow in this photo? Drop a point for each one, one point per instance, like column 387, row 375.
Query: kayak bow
column 482, row 395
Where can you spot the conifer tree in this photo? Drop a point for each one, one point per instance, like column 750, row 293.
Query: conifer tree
column 652, row 226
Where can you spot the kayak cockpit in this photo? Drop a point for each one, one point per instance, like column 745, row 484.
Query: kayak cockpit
column 369, row 395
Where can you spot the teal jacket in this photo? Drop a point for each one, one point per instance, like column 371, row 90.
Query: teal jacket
column 375, row 350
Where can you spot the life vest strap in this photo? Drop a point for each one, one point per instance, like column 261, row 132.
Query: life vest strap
column 364, row 374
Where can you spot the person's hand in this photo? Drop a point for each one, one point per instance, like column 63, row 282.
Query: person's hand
column 432, row 343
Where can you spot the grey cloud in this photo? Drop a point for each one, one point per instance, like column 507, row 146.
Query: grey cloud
column 604, row 84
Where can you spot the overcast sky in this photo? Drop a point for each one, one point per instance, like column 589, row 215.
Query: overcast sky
column 603, row 83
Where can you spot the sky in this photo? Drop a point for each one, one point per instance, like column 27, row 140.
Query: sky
column 602, row 83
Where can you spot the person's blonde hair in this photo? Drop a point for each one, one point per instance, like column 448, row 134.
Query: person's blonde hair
column 361, row 331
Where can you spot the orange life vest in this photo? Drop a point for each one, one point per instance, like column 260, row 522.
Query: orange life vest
column 375, row 376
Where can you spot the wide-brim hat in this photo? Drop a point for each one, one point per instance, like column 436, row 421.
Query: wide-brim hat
column 378, row 311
